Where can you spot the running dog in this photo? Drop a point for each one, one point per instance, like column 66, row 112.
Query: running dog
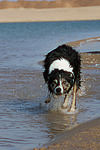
column 62, row 74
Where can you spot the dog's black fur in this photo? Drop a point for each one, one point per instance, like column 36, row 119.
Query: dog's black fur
column 67, row 52
column 61, row 81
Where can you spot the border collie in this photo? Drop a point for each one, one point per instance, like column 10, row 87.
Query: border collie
column 62, row 74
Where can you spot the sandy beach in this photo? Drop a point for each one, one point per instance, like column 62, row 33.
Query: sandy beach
column 52, row 14
column 83, row 137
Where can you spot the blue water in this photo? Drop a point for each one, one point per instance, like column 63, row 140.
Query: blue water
column 24, row 123
column 24, row 44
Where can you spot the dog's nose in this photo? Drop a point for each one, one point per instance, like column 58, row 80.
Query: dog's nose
column 58, row 90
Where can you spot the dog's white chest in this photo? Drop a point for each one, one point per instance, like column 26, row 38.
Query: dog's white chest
column 61, row 64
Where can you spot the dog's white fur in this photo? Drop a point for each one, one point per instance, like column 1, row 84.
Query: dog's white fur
column 60, row 86
column 61, row 64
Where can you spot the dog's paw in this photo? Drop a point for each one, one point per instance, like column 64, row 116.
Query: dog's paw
column 47, row 101
column 72, row 110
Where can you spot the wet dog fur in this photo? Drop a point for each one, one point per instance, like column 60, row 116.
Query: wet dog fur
column 62, row 74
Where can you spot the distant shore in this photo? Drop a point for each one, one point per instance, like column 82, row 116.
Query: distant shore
column 52, row 14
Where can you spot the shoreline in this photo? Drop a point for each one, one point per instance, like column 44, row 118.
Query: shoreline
column 84, row 136
column 82, row 41
column 51, row 14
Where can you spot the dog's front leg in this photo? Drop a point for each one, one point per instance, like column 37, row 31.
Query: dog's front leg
column 73, row 105
column 48, row 99
column 65, row 104
column 66, row 100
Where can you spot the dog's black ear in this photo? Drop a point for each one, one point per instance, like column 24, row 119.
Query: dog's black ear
column 48, row 79
column 46, row 76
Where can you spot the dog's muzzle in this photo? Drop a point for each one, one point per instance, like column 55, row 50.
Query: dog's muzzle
column 58, row 91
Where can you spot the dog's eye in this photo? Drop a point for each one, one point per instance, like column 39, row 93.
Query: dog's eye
column 54, row 83
column 65, row 82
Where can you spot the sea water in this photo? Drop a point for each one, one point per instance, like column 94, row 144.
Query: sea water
column 25, row 121
column 24, row 44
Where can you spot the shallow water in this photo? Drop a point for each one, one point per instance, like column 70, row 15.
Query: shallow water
column 89, row 45
column 25, row 121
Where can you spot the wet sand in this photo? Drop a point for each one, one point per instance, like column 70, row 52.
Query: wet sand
column 77, row 43
column 55, row 14
column 86, row 135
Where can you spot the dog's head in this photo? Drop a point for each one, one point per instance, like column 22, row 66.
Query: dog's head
column 60, row 82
